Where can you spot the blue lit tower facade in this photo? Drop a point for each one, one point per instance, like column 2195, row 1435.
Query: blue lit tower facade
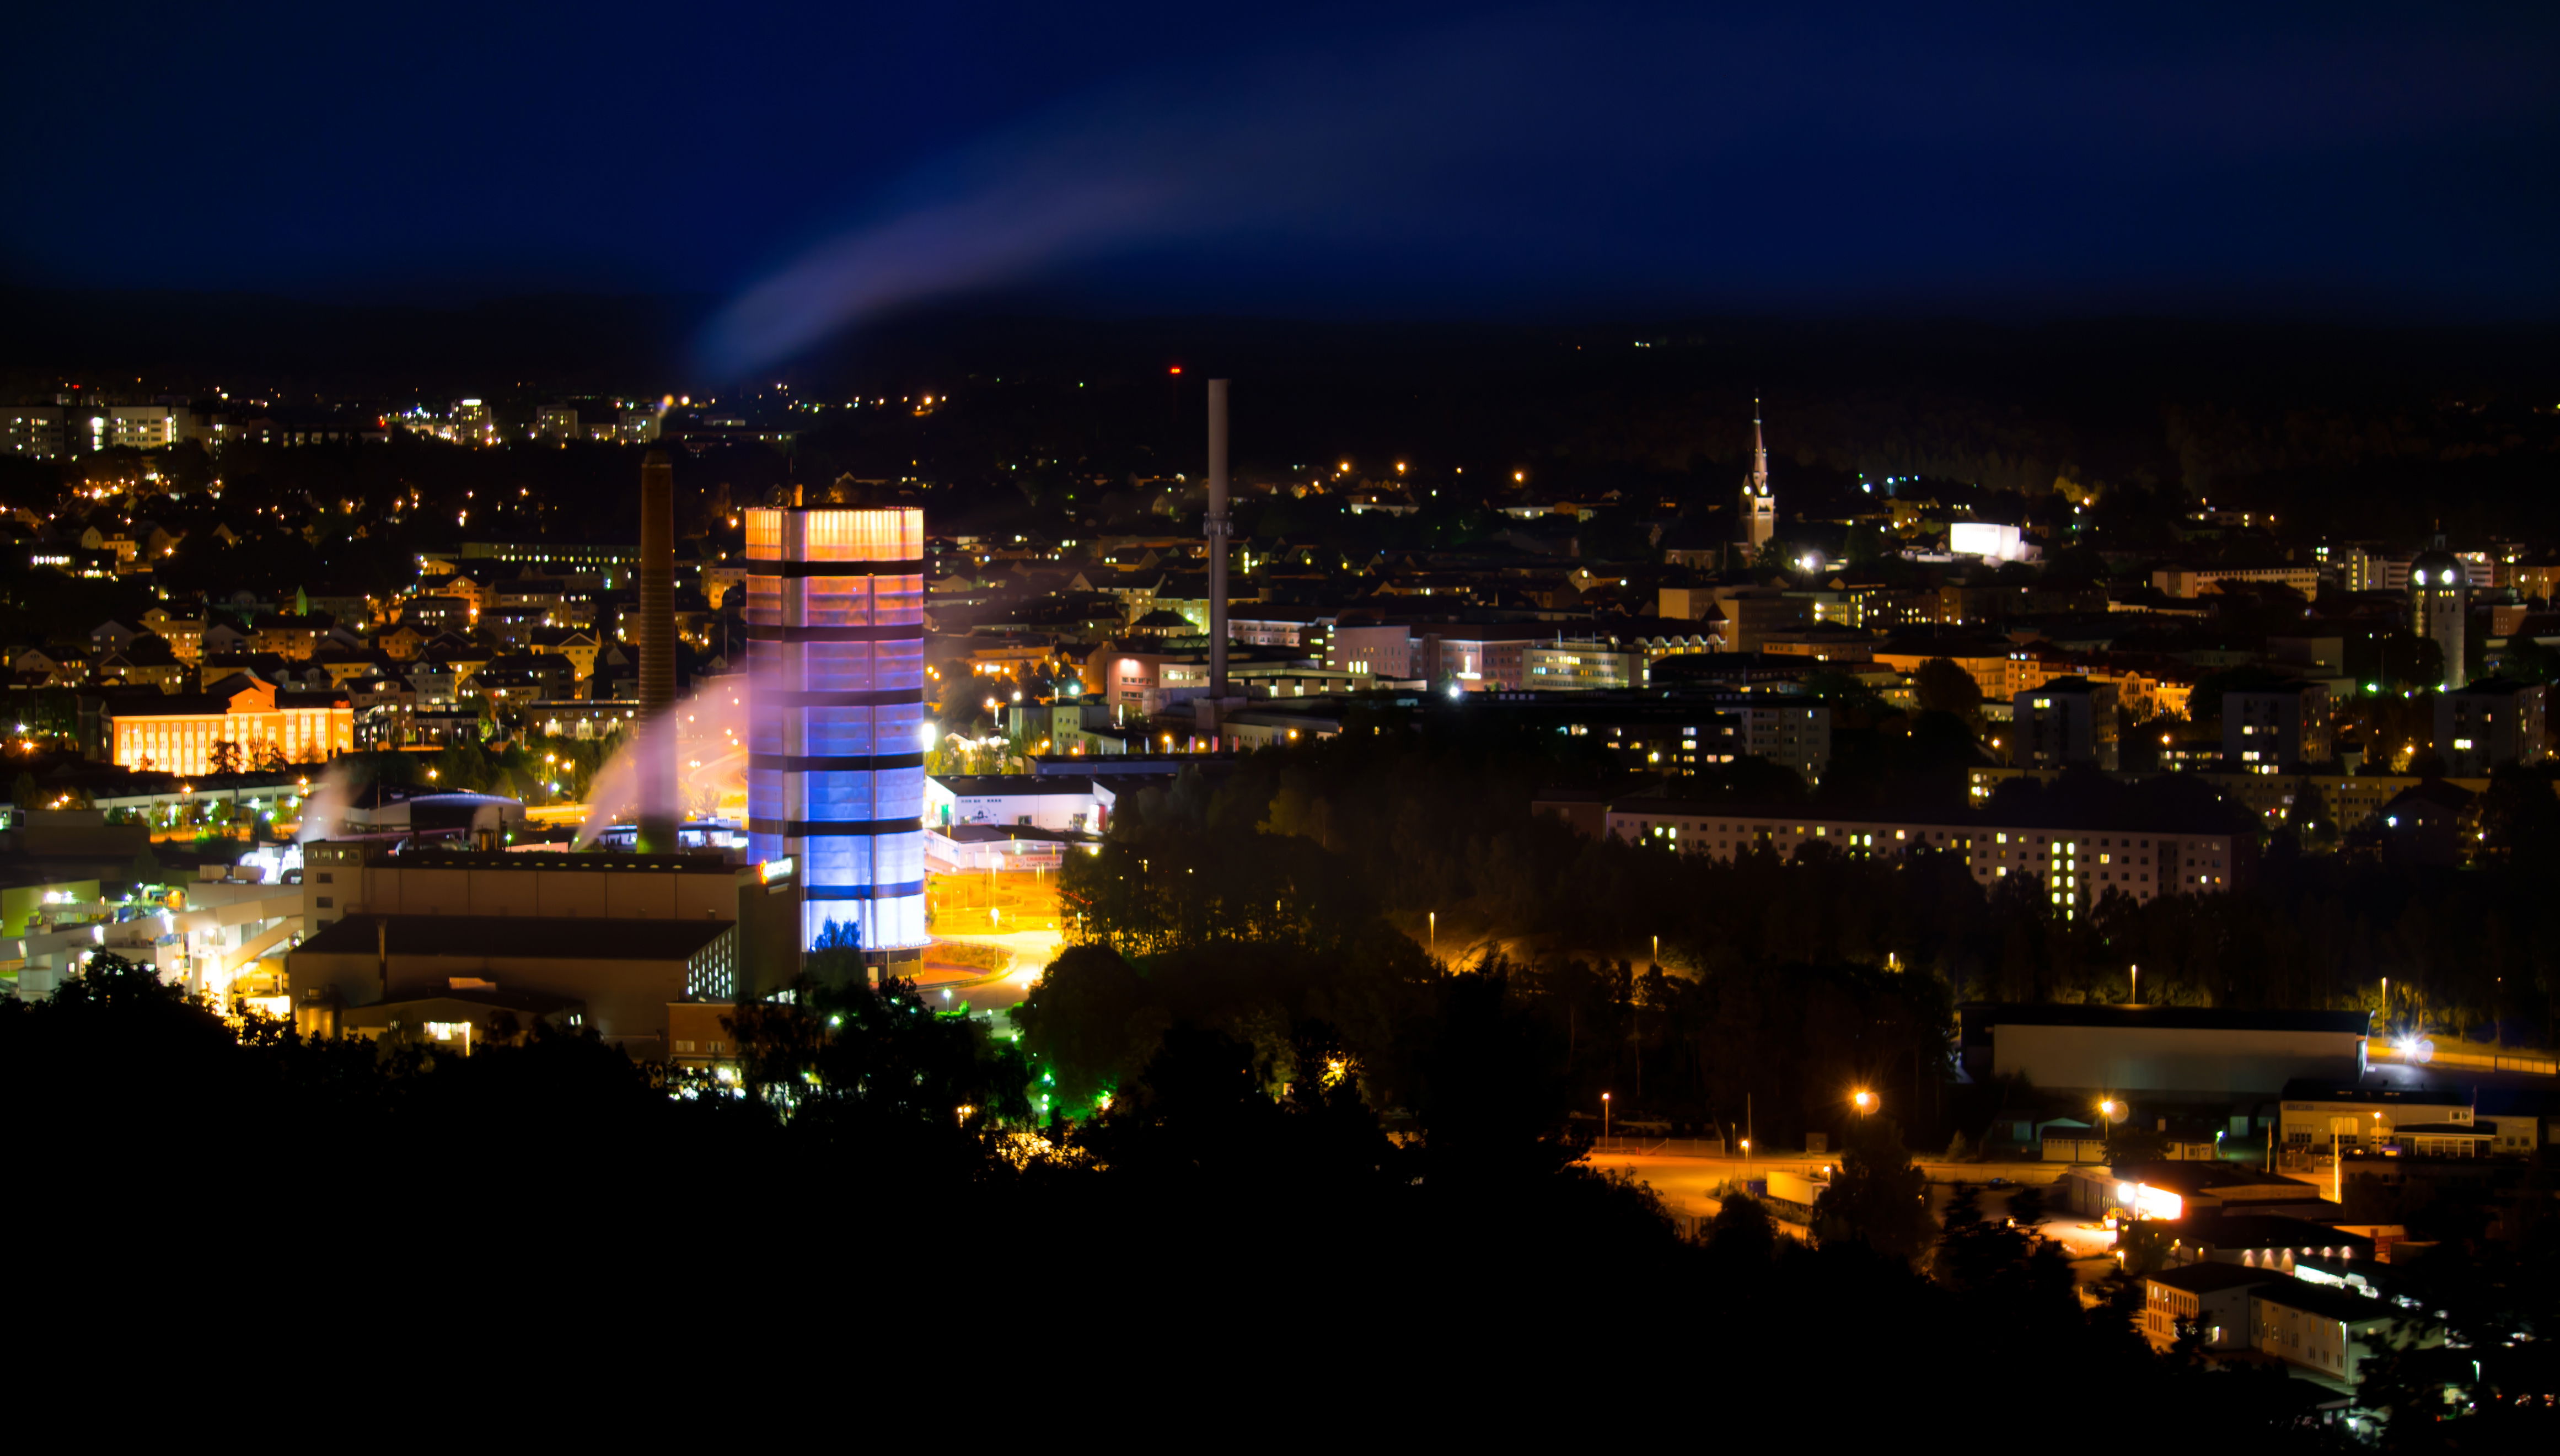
column 835, row 779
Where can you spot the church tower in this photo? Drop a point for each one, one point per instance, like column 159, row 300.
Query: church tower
column 1759, row 507
column 2439, row 606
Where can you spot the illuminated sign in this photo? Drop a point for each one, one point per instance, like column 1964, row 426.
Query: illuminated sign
column 774, row 870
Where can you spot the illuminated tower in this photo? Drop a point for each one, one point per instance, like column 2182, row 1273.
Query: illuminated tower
column 835, row 628
column 2439, row 602
column 1759, row 507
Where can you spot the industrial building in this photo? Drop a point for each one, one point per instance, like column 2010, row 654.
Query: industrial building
column 342, row 878
column 601, row 940
column 2164, row 1053
column 835, row 613
column 614, row 976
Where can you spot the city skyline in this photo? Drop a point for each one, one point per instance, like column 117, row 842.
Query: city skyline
column 1751, row 707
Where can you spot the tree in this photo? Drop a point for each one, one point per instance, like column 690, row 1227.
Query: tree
column 1743, row 1234
column 1878, row 1197
column 1939, row 685
column 2519, row 817
column 225, row 757
column 2308, row 815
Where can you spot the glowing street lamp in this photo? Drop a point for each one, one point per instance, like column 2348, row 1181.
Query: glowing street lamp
column 1865, row 1102
column 1604, row 1117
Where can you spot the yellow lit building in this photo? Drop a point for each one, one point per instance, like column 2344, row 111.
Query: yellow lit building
column 177, row 733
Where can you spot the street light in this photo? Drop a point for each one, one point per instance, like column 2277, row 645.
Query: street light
column 1604, row 1117
column 1865, row 1101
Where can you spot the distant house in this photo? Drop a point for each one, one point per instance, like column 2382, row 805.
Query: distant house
column 402, row 642
column 145, row 662
column 2423, row 825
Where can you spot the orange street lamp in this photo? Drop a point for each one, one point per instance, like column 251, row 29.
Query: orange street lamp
column 1865, row 1101
column 1604, row 1117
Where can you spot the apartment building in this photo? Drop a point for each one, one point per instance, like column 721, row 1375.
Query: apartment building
column 2073, row 865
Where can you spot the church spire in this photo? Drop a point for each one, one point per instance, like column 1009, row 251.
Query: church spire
column 1759, row 507
column 1759, row 452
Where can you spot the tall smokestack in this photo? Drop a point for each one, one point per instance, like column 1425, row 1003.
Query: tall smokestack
column 659, row 814
column 1215, row 528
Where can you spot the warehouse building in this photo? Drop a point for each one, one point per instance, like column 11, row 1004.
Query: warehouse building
column 2163, row 1053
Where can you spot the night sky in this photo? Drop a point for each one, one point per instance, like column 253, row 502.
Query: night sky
column 811, row 167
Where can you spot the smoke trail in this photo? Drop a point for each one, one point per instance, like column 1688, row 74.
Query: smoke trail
column 707, row 731
column 1291, row 146
column 324, row 809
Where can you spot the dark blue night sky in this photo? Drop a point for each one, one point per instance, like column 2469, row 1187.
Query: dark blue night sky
column 814, row 166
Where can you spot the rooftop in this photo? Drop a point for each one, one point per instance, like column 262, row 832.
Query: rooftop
column 2324, row 1300
column 2192, row 1177
column 2330, row 1090
column 2210, row 1277
column 1986, row 1015
column 979, row 785
column 2275, row 1231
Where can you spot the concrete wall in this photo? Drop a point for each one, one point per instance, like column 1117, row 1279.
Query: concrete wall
column 2197, row 1063
column 584, row 893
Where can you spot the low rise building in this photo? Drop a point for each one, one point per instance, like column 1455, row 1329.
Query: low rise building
column 1023, row 800
column 2212, row 1298
column 2332, row 1332
column 2362, row 1118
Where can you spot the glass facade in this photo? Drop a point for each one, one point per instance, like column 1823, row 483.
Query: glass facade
column 835, row 611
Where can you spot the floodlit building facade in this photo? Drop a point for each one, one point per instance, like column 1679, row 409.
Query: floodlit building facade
column 183, row 734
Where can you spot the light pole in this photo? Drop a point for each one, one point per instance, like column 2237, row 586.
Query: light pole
column 2135, row 997
column 1435, row 931
column 1604, row 1117
column 1657, row 950
column 1865, row 1102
